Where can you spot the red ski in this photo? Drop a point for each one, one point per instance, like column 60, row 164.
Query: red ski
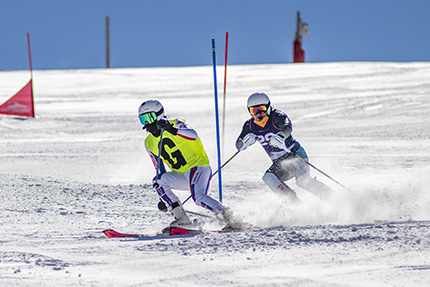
column 171, row 232
column 168, row 232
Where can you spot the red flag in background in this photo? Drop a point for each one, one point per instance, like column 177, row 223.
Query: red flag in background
column 21, row 104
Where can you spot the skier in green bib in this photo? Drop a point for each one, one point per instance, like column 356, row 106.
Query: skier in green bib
column 183, row 153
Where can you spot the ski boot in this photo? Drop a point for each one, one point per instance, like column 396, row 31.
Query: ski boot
column 232, row 221
column 181, row 218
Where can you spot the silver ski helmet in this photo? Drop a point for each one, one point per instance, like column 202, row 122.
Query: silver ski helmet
column 150, row 111
column 259, row 99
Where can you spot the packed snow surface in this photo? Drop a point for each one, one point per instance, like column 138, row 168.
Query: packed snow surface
column 80, row 167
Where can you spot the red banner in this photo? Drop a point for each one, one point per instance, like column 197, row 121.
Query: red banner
column 21, row 104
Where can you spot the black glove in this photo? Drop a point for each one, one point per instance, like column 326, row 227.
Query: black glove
column 166, row 125
column 162, row 206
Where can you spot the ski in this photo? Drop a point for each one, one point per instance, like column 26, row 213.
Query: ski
column 170, row 232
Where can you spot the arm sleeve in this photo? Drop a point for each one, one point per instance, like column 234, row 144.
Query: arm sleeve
column 281, row 121
column 185, row 132
column 245, row 130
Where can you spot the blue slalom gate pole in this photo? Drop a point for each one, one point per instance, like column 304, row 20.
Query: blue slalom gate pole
column 217, row 121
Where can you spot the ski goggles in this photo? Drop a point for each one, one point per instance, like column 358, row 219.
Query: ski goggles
column 148, row 118
column 257, row 110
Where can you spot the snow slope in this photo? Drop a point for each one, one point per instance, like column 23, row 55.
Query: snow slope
column 80, row 167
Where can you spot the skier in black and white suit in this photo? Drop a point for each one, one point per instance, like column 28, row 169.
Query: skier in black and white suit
column 272, row 129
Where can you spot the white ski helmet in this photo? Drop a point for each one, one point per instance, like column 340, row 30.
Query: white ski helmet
column 259, row 99
column 151, row 106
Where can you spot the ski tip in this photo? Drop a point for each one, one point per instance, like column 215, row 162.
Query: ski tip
column 111, row 233
column 114, row 234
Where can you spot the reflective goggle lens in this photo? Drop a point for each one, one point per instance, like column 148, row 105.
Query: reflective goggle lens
column 257, row 110
column 147, row 118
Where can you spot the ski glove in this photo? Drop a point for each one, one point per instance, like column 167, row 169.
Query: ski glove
column 161, row 206
column 246, row 142
column 279, row 142
column 166, row 125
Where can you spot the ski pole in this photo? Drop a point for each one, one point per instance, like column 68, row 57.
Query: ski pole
column 320, row 171
column 196, row 213
column 226, row 162
column 160, row 146
column 216, row 172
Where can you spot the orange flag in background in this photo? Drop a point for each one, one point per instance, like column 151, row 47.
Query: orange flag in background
column 21, row 104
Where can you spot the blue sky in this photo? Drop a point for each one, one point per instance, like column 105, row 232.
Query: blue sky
column 71, row 34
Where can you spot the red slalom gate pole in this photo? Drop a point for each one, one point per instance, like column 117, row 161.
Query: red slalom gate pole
column 29, row 54
column 31, row 73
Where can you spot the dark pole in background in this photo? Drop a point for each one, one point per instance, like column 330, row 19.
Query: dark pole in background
column 298, row 24
column 107, row 43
